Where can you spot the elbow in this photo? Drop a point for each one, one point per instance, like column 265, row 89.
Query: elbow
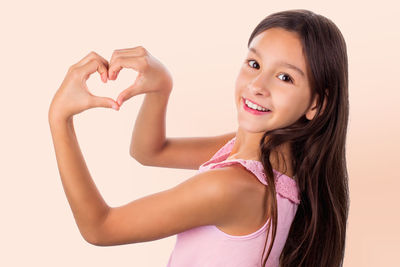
column 97, row 243
column 94, row 234
column 137, row 158
column 132, row 154
column 93, row 240
column 98, row 240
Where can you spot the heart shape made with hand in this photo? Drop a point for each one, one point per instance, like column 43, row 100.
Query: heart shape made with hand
column 112, row 88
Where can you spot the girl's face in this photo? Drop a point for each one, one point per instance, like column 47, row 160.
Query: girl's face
column 267, row 79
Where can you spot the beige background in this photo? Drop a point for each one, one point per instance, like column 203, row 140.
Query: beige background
column 203, row 44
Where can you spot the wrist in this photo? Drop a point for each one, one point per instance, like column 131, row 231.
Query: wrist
column 56, row 112
column 56, row 118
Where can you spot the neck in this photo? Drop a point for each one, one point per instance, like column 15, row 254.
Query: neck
column 247, row 147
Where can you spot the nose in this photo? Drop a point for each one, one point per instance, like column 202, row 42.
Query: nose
column 259, row 86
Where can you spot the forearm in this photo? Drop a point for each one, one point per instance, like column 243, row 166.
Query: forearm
column 87, row 204
column 148, row 136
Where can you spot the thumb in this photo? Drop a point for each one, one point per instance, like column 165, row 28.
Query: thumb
column 104, row 102
column 127, row 94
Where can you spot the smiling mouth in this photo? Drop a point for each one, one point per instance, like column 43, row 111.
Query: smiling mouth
column 254, row 106
column 254, row 111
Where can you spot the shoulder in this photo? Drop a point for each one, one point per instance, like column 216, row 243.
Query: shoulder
column 230, row 189
column 232, row 180
column 235, row 177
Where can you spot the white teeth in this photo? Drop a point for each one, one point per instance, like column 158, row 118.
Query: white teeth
column 254, row 106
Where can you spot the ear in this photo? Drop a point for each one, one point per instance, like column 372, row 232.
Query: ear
column 310, row 114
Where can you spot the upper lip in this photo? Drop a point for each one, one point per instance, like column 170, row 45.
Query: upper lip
column 255, row 103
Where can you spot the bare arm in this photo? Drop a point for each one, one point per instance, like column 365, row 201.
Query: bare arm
column 87, row 205
column 214, row 197
column 188, row 152
column 210, row 197
column 148, row 136
column 150, row 146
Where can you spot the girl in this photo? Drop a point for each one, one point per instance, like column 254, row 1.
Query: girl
column 280, row 179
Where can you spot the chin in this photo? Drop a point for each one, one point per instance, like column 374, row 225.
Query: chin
column 252, row 128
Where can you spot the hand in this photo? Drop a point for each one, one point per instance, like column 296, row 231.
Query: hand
column 152, row 77
column 73, row 96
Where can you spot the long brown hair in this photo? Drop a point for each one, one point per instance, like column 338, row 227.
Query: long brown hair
column 318, row 231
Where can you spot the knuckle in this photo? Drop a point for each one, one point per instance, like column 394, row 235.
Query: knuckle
column 115, row 52
column 92, row 54
column 117, row 61
column 71, row 68
column 93, row 61
column 74, row 72
column 141, row 49
column 98, row 62
column 114, row 56
column 144, row 62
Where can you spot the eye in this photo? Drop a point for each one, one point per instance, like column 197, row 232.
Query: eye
column 290, row 78
column 248, row 61
column 255, row 62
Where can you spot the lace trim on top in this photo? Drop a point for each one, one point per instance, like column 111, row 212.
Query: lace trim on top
column 285, row 186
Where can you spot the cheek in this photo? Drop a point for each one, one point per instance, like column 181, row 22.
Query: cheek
column 243, row 77
column 291, row 106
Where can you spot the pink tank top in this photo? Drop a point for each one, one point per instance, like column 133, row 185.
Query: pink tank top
column 208, row 246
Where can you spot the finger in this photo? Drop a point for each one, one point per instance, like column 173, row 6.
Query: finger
column 93, row 65
column 104, row 75
column 127, row 94
column 132, row 62
column 93, row 55
column 104, row 71
column 131, row 53
column 123, row 96
column 88, row 57
column 105, row 102
column 135, row 51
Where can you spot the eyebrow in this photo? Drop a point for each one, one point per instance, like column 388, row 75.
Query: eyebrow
column 281, row 63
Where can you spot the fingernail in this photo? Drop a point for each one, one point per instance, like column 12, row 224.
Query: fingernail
column 114, row 106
